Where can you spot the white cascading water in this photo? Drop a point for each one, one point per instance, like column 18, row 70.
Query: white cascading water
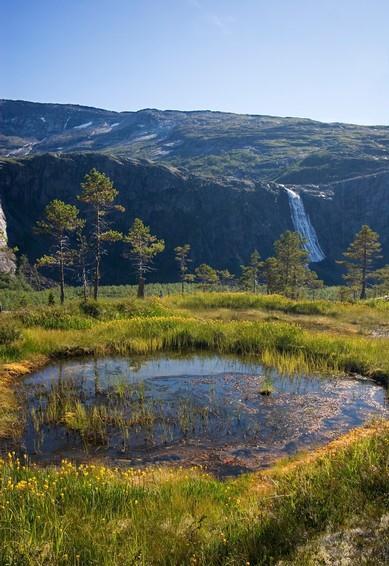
column 303, row 226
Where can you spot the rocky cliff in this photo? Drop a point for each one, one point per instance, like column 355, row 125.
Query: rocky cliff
column 223, row 220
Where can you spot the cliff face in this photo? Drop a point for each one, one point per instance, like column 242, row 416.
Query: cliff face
column 349, row 204
column 7, row 256
column 222, row 221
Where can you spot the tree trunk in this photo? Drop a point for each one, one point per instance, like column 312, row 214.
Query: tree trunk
column 84, row 285
column 363, row 290
column 364, row 272
column 182, row 287
column 62, row 278
column 97, row 278
column 98, row 257
column 141, row 288
column 62, row 291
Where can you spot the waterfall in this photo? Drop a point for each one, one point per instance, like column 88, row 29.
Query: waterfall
column 303, row 226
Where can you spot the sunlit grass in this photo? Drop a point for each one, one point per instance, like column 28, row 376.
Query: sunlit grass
column 249, row 301
column 97, row 515
column 284, row 345
column 143, row 327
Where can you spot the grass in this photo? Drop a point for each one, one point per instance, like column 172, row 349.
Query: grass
column 16, row 298
column 13, row 299
column 242, row 300
column 96, row 515
column 173, row 324
column 9, row 409
column 329, row 316
column 282, row 344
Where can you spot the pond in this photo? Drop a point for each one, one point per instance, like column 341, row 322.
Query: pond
column 229, row 415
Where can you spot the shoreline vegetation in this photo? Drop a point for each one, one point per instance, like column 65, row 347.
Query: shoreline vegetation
column 277, row 331
column 91, row 514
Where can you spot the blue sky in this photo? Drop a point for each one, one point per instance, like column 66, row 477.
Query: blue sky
column 322, row 59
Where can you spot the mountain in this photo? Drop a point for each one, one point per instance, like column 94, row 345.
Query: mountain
column 223, row 220
column 225, row 183
column 288, row 150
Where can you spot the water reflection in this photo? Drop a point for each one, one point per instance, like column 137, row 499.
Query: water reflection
column 228, row 414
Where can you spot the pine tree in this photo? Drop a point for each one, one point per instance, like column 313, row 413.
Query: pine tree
column 181, row 257
column 60, row 220
column 313, row 283
column 290, row 269
column 361, row 256
column 225, row 277
column 143, row 248
column 206, row 275
column 99, row 194
column 272, row 276
column 382, row 278
column 250, row 273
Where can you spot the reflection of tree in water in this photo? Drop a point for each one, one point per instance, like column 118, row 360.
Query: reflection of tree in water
column 102, row 403
column 96, row 374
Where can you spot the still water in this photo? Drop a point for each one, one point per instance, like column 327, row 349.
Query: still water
column 229, row 415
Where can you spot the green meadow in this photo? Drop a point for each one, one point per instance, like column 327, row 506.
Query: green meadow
column 94, row 514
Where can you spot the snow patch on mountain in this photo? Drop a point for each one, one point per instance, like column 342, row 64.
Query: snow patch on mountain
column 82, row 126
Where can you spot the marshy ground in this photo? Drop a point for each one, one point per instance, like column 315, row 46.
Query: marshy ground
column 227, row 414
column 262, row 377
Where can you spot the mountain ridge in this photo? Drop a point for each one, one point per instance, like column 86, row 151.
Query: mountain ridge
column 215, row 180
column 211, row 143
column 193, row 111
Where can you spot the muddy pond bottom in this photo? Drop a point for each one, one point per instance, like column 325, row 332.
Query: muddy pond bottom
column 228, row 415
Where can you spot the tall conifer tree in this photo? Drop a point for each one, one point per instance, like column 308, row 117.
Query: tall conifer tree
column 360, row 259
column 60, row 220
column 99, row 194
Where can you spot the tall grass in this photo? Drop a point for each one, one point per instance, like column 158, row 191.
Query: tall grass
column 15, row 299
column 95, row 515
column 75, row 315
column 276, row 343
column 242, row 300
